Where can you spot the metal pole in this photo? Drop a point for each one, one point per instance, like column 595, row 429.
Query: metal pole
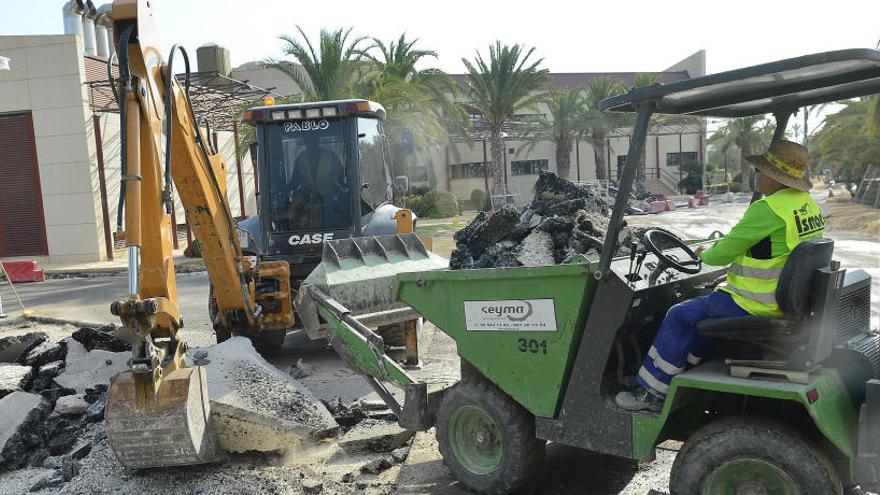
column 608, row 159
column 102, row 182
column 637, row 145
column 486, row 174
column 504, row 150
column 703, row 163
column 238, row 167
column 656, row 154
column 680, row 163
column 577, row 154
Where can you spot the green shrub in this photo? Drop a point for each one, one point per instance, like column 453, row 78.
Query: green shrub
column 437, row 204
column 478, row 200
column 414, row 203
column 736, row 187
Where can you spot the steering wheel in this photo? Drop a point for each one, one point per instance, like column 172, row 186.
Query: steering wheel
column 661, row 237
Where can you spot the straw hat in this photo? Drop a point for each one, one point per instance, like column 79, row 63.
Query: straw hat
column 786, row 163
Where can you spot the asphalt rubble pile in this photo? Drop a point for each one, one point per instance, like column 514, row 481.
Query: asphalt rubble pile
column 52, row 408
column 563, row 220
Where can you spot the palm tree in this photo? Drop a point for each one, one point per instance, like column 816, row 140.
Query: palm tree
column 873, row 116
column 510, row 81
column 331, row 72
column 642, row 80
column 598, row 123
column 748, row 134
column 563, row 126
column 420, row 103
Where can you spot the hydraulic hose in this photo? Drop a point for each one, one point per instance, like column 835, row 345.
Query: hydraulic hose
column 206, row 153
column 169, row 97
column 110, row 77
column 125, row 87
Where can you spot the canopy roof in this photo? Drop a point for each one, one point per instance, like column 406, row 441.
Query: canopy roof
column 776, row 87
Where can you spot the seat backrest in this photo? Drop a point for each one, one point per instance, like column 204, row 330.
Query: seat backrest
column 794, row 290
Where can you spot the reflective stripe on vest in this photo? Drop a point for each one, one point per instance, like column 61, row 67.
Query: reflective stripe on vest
column 752, row 282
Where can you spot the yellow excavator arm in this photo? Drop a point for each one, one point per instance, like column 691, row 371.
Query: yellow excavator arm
column 158, row 413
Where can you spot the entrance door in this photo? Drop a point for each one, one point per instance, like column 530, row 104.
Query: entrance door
column 22, row 225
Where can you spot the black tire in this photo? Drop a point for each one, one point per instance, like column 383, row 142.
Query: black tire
column 393, row 335
column 268, row 342
column 728, row 441
column 520, row 452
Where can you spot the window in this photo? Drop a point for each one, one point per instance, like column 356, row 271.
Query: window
column 528, row 167
column 466, row 170
column 308, row 180
column 678, row 159
column 373, row 163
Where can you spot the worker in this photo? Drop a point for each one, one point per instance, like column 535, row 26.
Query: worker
column 756, row 249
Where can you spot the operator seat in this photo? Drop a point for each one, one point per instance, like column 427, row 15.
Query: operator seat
column 794, row 293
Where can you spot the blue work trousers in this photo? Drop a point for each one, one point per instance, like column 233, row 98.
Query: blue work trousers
column 677, row 345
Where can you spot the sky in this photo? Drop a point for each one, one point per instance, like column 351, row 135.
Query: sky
column 583, row 36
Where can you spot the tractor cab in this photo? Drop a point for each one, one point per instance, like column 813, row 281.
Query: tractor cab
column 324, row 174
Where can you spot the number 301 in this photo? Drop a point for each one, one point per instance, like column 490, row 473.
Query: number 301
column 533, row 346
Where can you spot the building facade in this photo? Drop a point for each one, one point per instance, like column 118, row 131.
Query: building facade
column 59, row 155
column 459, row 167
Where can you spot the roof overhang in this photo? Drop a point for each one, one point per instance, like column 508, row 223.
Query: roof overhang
column 776, row 87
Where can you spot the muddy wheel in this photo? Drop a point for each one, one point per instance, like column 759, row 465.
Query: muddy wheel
column 487, row 440
column 393, row 335
column 752, row 456
column 268, row 342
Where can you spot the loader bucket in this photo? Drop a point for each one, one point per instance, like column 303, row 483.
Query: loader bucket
column 171, row 429
column 359, row 274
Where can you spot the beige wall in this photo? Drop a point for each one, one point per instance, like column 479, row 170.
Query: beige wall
column 46, row 78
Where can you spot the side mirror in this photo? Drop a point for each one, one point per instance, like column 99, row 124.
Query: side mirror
column 402, row 183
column 366, row 185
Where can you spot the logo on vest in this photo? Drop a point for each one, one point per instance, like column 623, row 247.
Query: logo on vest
column 806, row 223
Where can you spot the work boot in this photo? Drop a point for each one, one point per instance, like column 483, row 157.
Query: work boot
column 638, row 400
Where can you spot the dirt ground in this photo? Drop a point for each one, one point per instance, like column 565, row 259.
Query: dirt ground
column 566, row 470
column 854, row 217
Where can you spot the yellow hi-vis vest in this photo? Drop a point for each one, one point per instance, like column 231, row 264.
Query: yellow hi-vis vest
column 751, row 281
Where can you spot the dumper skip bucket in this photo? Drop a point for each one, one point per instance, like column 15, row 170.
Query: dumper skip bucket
column 359, row 273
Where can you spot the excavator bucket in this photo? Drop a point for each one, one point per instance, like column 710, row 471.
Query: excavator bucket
column 170, row 429
column 359, row 273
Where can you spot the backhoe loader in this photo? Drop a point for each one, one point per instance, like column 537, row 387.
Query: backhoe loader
column 158, row 414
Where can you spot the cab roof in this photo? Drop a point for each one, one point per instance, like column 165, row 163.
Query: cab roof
column 775, row 87
column 351, row 106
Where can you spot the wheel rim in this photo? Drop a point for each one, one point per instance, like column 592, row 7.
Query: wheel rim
column 475, row 440
column 749, row 477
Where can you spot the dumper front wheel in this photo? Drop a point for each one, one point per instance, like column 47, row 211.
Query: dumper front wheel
column 487, row 440
column 752, row 455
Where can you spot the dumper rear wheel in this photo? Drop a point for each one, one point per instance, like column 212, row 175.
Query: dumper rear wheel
column 752, row 455
column 487, row 440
